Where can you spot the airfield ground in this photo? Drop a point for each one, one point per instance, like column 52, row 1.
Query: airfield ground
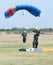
column 10, row 54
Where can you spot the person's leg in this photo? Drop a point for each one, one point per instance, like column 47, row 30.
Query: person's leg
column 33, row 44
column 24, row 40
column 36, row 44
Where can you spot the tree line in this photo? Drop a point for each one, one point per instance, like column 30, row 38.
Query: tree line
column 20, row 30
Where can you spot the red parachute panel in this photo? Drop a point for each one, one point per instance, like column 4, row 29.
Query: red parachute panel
column 10, row 11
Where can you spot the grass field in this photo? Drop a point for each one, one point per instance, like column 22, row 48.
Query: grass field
column 10, row 44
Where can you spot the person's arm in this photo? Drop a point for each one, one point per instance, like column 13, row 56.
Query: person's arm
column 38, row 33
column 26, row 34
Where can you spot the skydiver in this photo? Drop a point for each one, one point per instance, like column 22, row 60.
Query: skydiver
column 24, row 35
column 36, row 32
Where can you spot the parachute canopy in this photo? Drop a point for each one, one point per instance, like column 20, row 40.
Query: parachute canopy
column 33, row 10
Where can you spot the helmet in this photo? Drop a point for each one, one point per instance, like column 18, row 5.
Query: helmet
column 36, row 28
column 24, row 31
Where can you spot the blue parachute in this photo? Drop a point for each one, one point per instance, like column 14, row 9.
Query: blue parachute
column 33, row 10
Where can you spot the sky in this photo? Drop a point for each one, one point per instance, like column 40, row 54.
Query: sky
column 27, row 20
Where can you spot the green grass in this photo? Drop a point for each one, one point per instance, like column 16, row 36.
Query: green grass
column 9, row 55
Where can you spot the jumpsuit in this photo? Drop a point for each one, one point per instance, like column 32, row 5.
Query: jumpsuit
column 35, row 39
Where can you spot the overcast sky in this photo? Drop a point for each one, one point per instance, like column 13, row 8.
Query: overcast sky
column 27, row 20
